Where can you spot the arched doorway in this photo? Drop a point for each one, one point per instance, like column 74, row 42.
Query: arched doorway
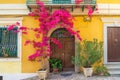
column 68, row 48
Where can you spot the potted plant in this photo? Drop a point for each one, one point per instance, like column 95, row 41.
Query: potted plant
column 90, row 52
column 43, row 71
column 102, row 70
column 56, row 64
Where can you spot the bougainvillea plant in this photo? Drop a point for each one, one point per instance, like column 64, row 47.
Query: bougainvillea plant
column 90, row 8
column 47, row 21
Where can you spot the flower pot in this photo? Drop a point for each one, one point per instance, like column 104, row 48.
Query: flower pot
column 55, row 70
column 88, row 72
column 42, row 74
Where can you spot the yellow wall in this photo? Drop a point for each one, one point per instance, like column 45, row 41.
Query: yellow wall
column 109, row 1
column 28, row 66
column 89, row 30
column 12, row 1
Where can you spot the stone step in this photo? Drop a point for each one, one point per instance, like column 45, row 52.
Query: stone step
column 114, row 72
column 113, row 68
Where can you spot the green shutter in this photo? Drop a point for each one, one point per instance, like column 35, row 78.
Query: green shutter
column 8, row 43
column 61, row 1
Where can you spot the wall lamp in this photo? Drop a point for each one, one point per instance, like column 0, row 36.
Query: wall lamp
column 87, row 19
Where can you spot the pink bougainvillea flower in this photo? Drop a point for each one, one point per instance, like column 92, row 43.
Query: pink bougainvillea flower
column 48, row 21
column 24, row 32
column 90, row 11
column 11, row 27
column 36, row 44
column 35, row 55
column 31, row 57
column 27, row 42
column 78, row 1
column 96, row 9
column 32, row 14
column 37, row 35
column 23, row 28
column 41, row 4
column 17, row 23
column 71, row 31
column 16, row 31
column 48, row 54
column 54, row 40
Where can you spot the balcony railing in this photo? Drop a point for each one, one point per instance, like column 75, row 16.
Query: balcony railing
column 69, row 5
column 72, row 2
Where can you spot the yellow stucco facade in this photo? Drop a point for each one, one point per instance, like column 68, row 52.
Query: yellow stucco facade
column 88, row 30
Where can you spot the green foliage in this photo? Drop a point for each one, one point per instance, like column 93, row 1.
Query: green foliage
column 102, row 70
column 76, row 58
column 90, row 52
column 55, row 63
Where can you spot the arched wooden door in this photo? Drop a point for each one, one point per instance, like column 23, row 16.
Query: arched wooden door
column 68, row 48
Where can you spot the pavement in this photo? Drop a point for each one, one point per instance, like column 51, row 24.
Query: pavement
column 75, row 76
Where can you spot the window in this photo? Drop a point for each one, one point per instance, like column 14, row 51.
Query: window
column 61, row 1
column 8, row 43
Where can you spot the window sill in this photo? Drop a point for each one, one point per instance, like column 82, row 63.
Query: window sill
column 10, row 59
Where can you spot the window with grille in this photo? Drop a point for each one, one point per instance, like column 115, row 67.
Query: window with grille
column 61, row 1
column 8, row 43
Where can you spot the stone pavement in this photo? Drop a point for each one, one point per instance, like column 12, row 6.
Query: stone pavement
column 75, row 76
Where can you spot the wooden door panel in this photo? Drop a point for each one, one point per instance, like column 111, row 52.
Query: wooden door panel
column 56, row 51
column 65, row 53
column 69, row 52
column 113, row 39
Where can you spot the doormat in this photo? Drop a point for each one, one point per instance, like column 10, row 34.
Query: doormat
column 66, row 74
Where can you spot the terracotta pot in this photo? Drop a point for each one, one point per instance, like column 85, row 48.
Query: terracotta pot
column 55, row 70
column 88, row 72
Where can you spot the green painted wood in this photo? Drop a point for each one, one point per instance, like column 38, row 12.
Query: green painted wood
column 8, row 42
column 61, row 1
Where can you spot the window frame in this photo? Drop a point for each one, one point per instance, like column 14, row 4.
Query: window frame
column 8, row 21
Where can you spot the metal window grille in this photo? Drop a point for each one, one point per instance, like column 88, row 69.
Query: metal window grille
column 8, row 43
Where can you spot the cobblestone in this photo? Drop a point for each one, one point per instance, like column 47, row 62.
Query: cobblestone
column 76, row 76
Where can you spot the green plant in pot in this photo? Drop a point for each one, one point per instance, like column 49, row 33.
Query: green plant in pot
column 102, row 70
column 90, row 52
column 56, row 64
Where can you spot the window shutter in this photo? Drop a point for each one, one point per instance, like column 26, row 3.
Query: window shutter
column 61, row 1
column 8, row 42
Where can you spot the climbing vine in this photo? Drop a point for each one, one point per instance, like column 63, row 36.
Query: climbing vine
column 47, row 21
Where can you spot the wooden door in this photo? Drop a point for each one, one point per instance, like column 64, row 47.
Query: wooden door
column 69, row 51
column 113, row 43
column 65, row 53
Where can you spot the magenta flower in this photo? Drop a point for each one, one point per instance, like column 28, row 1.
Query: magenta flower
column 27, row 42
column 47, row 22
column 78, row 1
column 90, row 11
column 11, row 27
